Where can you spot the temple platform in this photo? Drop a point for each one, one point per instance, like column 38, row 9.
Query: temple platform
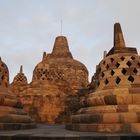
column 58, row 132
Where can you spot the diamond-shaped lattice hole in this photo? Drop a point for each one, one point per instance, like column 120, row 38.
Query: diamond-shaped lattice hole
column 124, row 71
column 138, row 64
column 131, row 78
column 129, row 63
column 122, row 58
column 103, row 74
column 135, row 71
column 132, row 57
column 118, row 80
column 112, row 72
column 99, row 69
column 112, row 59
column 107, row 66
column 106, row 81
column 104, row 62
column 117, row 64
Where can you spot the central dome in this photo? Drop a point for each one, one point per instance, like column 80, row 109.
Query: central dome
column 60, row 65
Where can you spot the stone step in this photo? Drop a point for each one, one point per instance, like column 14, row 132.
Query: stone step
column 14, row 118
column 107, row 118
column 11, row 110
column 118, row 99
column 16, row 126
column 109, row 109
column 108, row 128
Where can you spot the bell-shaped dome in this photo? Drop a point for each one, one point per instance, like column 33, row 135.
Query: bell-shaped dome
column 60, row 65
column 4, row 74
column 114, row 105
column 20, row 79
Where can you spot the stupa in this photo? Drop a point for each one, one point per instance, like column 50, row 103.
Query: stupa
column 56, row 79
column 114, row 106
column 19, row 83
column 12, row 115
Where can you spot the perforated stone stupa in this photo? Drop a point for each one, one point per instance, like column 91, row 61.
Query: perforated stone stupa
column 19, row 83
column 56, row 80
column 115, row 104
column 12, row 115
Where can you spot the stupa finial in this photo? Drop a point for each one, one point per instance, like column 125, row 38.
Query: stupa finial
column 21, row 69
column 44, row 56
column 118, row 36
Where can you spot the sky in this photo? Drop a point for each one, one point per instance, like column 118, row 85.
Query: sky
column 29, row 27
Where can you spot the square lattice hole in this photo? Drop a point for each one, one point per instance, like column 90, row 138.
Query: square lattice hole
column 112, row 59
column 117, row 64
column 103, row 74
column 131, row 79
column 129, row 63
column 106, row 81
column 135, row 71
column 122, row 58
column 124, row 71
column 132, row 57
column 107, row 66
column 104, row 62
column 112, row 72
column 118, row 80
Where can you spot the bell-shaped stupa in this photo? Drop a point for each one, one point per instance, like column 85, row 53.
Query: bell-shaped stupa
column 56, row 80
column 19, row 83
column 115, row 104
column 12, row 115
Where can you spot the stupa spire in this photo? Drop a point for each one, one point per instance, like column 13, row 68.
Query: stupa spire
column 61, row 48
column 21, row 69
column 44, row 56
column 118, row 36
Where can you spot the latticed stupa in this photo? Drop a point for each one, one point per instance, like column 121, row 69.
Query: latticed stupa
column 19, row 83
column 56, row 79
column 12, row 115
column 115, row 104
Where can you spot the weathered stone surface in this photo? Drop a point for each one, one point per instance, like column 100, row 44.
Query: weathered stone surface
column 52, row 94
column 12, row 115
column 113, row 106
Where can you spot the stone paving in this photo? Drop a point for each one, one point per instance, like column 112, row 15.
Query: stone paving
column 58, row 132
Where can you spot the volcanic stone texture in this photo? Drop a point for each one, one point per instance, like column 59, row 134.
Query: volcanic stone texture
column 114, row 106
column 56, row 81
column 12, row 115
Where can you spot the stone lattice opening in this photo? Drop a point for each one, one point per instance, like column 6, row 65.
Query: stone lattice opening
column 131, row 79
column 138, row 64
column 112, row 59
column 129, row 63
column 107, row 66
column 133, row 58
column 135, row 71
column 98, row 83
column 124, row 71
column 99, row 69
column 118, row 80
column 104, row 62
column 103, row 74
column 112, row 72
column 117, row 64
column 106, row 81
column 122, row 58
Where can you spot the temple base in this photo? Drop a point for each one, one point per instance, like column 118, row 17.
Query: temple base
column 16, row 126
column 107, row 128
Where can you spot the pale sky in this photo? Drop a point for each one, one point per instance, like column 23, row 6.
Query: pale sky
column 29, row 27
